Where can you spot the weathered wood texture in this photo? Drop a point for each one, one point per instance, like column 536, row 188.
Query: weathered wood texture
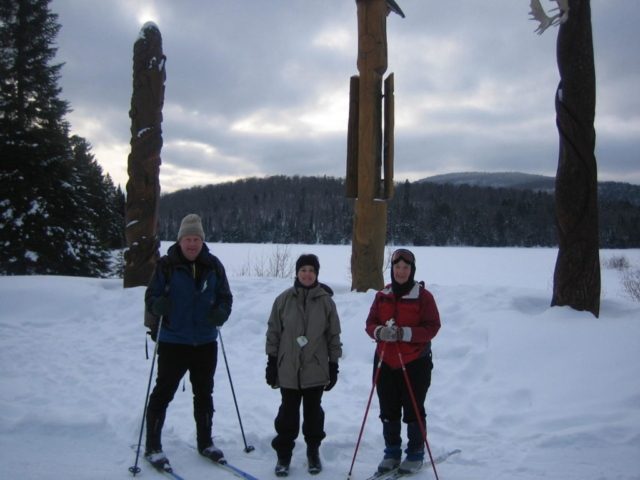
column 352, row 138
column 370, row 219
column 577, row 273
column 367, row 259
column 143, row 187
column 389, row 125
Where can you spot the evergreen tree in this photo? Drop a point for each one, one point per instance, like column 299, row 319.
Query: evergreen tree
column 43, row 209
column 117, row 202
column 103, row 205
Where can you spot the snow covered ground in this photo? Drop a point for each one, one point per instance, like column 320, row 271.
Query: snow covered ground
column 524, row 390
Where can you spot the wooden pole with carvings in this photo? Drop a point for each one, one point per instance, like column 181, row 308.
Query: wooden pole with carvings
column 143, row 187
column 365, row 150
column 576, row 280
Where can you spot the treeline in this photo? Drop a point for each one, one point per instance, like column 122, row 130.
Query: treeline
column 276, row 209
column 309, row 210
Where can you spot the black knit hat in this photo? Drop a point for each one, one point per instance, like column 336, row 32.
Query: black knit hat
column 307, row 259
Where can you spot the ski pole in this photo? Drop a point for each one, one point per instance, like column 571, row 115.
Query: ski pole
column 135, row 469
column 248, row 448
column 366, row 412
column 418, row 417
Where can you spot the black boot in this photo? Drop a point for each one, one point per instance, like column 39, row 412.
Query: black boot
column 153, row 449
column 313, row 459
column 282, row 467
column 206, row 447
column 155, row 421
column 203, row 420
column 159, row 460
column 214, row 454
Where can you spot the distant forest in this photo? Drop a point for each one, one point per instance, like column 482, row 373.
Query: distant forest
column 310, row 210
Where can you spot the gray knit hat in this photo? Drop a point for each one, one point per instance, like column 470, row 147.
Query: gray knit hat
column 191, row 225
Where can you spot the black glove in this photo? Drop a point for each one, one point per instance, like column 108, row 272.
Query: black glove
column 333, row 376
column 216, row 317
column 153, row 330
column 162, row 307
column 271, row 374
column 153, row 333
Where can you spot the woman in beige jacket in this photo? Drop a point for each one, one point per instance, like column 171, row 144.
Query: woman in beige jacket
column 303, row 348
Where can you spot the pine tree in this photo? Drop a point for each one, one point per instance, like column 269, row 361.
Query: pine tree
column 43, row 204
column 117, row 202
column 104, row 206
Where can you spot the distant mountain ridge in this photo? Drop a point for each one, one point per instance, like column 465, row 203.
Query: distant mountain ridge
column 518, row 180
column 607, row 191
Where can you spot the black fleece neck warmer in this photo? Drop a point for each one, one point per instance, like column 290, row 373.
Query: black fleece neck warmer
column 297, row 284
column 401, row 289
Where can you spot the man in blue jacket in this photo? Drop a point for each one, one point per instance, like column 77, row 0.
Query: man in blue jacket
column 186, row 301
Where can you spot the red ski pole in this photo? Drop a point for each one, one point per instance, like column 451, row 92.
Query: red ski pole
column 364, row 420
column 415, row 406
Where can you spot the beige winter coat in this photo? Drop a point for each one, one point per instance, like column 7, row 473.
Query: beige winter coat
column 312, row 314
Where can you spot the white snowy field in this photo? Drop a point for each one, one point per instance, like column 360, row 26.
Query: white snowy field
column 524, row 390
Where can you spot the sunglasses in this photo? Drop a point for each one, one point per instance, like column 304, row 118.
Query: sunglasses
column 404, row 255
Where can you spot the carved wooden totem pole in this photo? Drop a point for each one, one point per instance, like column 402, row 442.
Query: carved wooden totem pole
column 143, row 187
column 368, row 147
column 577, row 273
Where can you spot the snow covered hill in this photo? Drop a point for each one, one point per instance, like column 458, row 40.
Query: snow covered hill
column 524, row 390
column 496, row 180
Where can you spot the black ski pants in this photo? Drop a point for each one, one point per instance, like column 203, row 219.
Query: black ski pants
column 396, row 404
column 174, row 361
column 393, row 393
column 287, row 422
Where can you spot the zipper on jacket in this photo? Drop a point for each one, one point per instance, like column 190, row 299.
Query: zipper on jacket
column 195, row 289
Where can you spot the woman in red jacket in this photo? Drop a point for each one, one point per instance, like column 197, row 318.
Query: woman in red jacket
column 403, row 319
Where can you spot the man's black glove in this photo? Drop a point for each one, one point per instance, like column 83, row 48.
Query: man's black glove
column 153, row 333
column 162, row 307
column 271, row 374
column 216, row 317
column 333, row 376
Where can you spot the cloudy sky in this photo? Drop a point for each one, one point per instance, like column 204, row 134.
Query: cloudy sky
column 259, row 87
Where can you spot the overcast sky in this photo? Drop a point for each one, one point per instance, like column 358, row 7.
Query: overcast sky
column 261, row 87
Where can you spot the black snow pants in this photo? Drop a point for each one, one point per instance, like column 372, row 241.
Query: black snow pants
column 287, row 422
column 174, row 361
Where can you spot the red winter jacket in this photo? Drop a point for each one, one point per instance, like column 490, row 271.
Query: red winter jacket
column 416, row 310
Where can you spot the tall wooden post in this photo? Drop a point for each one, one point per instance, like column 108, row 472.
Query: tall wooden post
column 365, row 147
column 143, row 187
column 576, row 281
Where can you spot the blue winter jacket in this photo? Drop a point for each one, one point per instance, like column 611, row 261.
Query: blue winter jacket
column 195, row 288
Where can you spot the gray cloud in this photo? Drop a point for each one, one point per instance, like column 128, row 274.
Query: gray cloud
column 261, row 88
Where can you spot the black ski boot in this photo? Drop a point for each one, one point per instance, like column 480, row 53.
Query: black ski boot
column 313, row 460
column 203, row 418
column 158, row 460
column 282, row 467
column 213, row 453
column 153, row 448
